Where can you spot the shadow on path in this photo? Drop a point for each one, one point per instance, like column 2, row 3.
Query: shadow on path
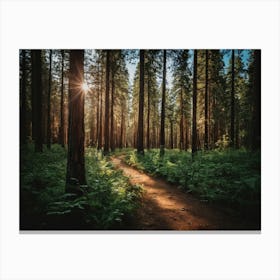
column 165, row 207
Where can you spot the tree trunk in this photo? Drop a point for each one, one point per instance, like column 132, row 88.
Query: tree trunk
column 37, row 99
column 62, row 130
column 107, row 103
column 237, row 108
column 23, row 125
column 186, row 135
column 194, row 130
column 162, row 122
column 232, row 106
column 98, row 107
column 76, row 131
column 49, row 102
column 148, row 113
column 206, row 136
column 140, row 138
column 256, row 135
column 100, row 138
column 181, row 120
column 112, row 138
column 171, row 135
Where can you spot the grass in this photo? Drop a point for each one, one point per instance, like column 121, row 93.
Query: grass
column 108, row 202
column 230, row 178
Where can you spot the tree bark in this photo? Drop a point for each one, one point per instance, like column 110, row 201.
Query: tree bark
column 181, row 120
column 100, row 138
column 256, row 135
column 232, row 106
column 140, row 134
column 171, row 135
column 62, row 130
column 148, row 109
column 107, row 103
column 76, row 131
column 206, row 134
column 98, row 106
column 49, row 102
column 23, row 125
column 37, row 99
column 112, row 138
column 194, row 130
column 162, row 122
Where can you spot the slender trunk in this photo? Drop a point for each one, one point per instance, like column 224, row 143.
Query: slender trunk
column 216, row 119
column 181, row 120
column 194, row 131
column 23, row 125
column 107, row 104
column 91, row 134
column 76, row 132
column 100, row 143
column 112, row 138
column 186, row 134
column 171, row 135
column 206, row 136
column 256, row 140
column 62, row 132
column 98, row 106
column 162, row 122
column 49, row 102
column 122, row 126
column 140, row 146
column 148, row 113
column 232, row 106
column 37, row 99
column 237, row 126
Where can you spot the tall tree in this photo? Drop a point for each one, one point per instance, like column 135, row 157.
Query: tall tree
column 149, row 98
column 162, row 122
column 100, row 138
column 206, row 135
column 62, row 132
column 256, row 134
column 181, row 85
column 140, row 144
column 76, row 131
column 194, row 129
column 232, row 103
column 112, row 138
column 36, row 61
column 98, row 101
column 23, row 120
column 107, row 103
column 49, row 102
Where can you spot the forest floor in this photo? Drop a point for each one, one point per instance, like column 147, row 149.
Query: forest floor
column 165, row 207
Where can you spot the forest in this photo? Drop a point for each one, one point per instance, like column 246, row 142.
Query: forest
column 145, row 139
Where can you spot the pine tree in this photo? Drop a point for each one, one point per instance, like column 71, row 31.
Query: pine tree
column 140, row 138
column 62, row 130
column 49, row 102
column 256, row 119
column 37, row 99
column 194, row 127
column 232, row 103
column 76, row 132
column 162, row 123
column 107, row 103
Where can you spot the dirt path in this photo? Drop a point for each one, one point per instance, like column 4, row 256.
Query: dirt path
column 164, row 206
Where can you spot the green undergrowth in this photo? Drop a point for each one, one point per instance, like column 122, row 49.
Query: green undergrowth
column 230, row 178
column 108, row 200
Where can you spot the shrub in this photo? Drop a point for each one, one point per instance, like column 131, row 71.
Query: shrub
column 107, row 201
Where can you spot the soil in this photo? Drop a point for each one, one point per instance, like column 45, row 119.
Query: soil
column 166, row 207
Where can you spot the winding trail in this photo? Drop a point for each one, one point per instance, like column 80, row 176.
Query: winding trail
column 165, row 207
